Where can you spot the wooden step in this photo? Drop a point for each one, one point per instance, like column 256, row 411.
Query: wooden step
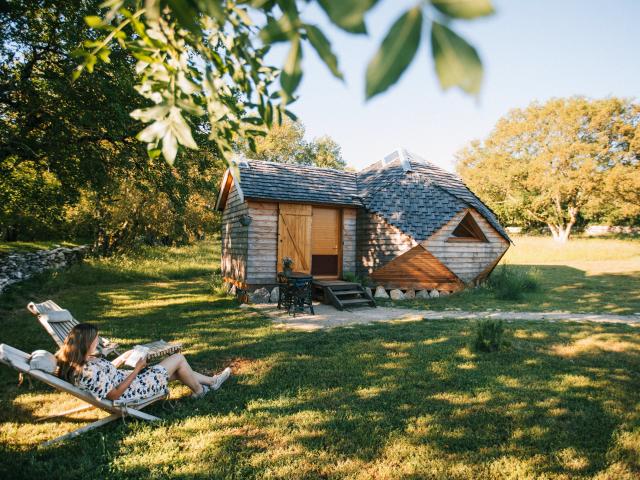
column 348, row 292
column 355, row 301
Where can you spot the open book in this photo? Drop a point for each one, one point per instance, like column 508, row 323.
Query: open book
column 154, row 352
column 139, row 351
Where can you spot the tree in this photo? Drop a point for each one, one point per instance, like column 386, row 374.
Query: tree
column 69, row 159
column 555, row 161
column 286, row 144
column 207, row 58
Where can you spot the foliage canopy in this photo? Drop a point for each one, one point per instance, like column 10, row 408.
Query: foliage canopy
column 207, row 59
column 553, row 162
column 69, row 161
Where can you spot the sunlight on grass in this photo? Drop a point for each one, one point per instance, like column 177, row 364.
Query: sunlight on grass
column 403, row 400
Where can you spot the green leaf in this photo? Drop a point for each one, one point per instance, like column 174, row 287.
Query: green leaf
column 457, row 63
column 186, row 14
column 291, row 72
column 348, row 14
column 277, row 31
column 169, row 147
column 104, row 55
column 90, row 62
column 464, row 8
column 323, row 47
column 93, row 21
column 396, row 52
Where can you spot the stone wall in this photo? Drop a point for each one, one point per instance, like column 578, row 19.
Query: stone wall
column 16, row 267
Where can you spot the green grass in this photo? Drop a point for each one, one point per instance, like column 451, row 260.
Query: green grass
column 22, row 247
column 399, row 400
column 585, row 276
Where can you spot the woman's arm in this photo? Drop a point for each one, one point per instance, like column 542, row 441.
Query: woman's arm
column 117, row 362
column 117, row 392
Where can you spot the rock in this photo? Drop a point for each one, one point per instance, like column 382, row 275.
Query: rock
column 274, row 295
column 396, row 294
column 261, row 295
column 410, row 294
column 233, row 290
column 434, row 294
column 381, row 292
column 422, row 294
column 369, row 292
column 443, row 293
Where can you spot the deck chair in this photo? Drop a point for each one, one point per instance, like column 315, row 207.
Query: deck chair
column 58, row 322
column 118, row 409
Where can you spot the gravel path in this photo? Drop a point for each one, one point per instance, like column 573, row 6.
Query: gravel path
column 328, row 317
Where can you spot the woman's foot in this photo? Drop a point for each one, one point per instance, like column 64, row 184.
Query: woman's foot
column 219, row 379
column 205, row 389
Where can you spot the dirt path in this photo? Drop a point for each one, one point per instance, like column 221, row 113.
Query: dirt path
column 328, row 317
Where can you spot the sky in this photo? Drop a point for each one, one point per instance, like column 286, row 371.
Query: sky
column 531, row 50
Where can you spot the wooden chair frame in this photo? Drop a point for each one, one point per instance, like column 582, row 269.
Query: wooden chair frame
column 60, row 329
column 19, row 360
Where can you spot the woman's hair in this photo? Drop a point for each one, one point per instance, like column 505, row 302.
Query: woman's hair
column 73, row 353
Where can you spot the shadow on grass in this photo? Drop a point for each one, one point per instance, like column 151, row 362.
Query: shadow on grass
column 391, row 400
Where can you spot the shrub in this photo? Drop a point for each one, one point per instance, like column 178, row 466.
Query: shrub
column 489, row 336
column 352, row 277
column 509, row 283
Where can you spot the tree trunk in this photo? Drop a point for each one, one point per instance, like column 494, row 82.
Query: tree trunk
column 561, row 232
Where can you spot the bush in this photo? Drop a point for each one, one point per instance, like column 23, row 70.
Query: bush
column 489, row 336
column 510, row 283
column 352, row 277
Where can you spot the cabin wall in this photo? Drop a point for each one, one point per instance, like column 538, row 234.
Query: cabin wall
column 234, row 238
column 263, row 243
column 417, row 269
column 377, row 242
column 467, row 259
column 349, row 240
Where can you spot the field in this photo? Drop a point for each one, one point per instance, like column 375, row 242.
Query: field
column 587, row 275
column 399, row 400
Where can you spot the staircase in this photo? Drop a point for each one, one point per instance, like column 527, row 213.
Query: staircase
column 343, row 295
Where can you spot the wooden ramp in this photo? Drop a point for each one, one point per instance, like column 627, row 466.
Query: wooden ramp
column 343, row 295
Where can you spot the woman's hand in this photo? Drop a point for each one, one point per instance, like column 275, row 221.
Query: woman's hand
column 118, row 362
column 141, row 364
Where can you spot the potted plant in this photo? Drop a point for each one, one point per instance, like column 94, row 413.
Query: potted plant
column 287, row 264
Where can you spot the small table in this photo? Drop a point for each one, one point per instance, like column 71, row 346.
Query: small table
column 295, row 291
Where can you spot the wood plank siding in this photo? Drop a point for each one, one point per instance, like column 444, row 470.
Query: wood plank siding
column 378, row 242
column 234, row 238
column 263, row 243
column 417, row 269
column 348, row 240
column 467, row 259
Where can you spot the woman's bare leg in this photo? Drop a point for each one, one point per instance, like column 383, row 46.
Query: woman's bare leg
column 179, row 369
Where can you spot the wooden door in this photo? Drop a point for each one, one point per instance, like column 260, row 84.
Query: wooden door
column 294, row 235
column 325, row 242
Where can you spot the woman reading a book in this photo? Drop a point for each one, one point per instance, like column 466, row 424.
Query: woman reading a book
column 102, row 378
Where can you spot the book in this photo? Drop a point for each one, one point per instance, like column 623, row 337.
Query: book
column 139, row 352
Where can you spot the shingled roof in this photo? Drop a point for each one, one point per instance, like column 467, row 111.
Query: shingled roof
column 410, row 193
column 297, row 183
column 416, row 196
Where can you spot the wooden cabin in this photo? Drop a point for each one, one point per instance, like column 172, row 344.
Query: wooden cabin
column 403, row 222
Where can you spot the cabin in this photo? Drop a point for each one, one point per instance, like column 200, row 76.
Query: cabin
column 403, row 222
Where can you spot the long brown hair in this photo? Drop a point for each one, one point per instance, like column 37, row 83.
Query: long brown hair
column 73, row 353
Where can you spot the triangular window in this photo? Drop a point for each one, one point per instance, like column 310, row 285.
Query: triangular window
column 468, row 231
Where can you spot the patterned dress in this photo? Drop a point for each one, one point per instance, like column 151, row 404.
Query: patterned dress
column 99, row 377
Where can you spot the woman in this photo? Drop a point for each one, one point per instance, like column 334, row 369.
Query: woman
column 104, row 380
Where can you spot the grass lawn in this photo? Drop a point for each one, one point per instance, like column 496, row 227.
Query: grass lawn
column 404, row 400
column 587, row 275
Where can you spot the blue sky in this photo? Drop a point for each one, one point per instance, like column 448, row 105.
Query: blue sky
column 531, row 50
